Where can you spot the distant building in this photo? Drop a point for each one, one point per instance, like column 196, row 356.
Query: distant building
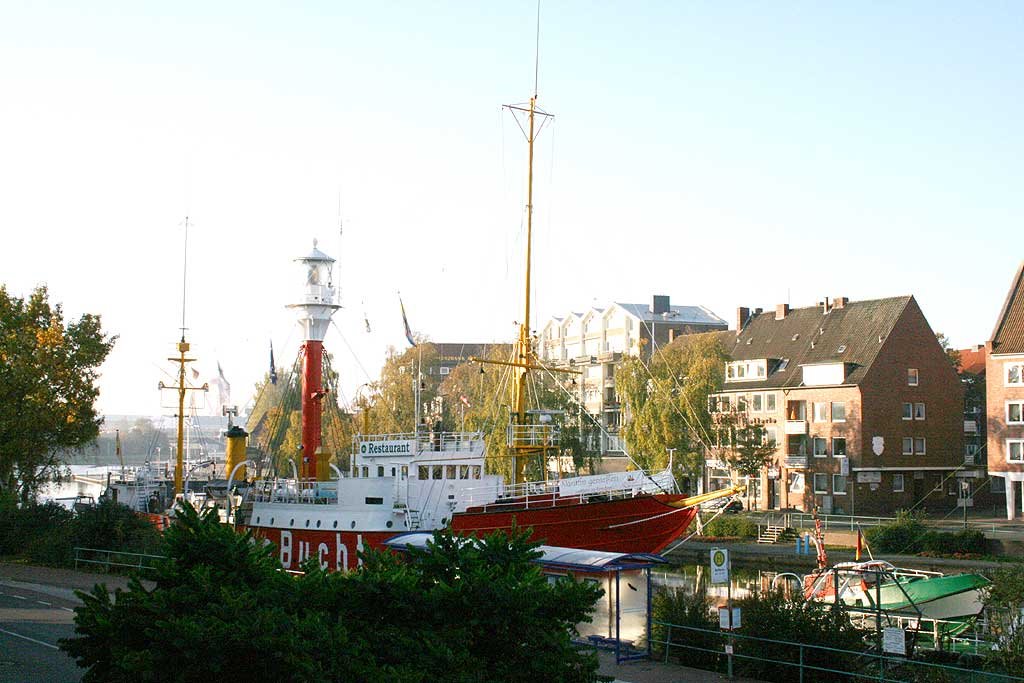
column 864, row 407
column 596, row 340
column 1004, row 371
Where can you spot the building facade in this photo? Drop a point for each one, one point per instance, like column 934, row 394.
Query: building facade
column 595, row 342
column 859, row 399
column 1004, row 371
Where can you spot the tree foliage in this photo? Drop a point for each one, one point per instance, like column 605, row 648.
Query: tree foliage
column 221, row 605
column 1005, row 600
column 48, row 372
column 665, row 401
column 275, row 421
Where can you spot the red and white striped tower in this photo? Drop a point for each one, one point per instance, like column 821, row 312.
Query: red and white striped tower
column 314, row 313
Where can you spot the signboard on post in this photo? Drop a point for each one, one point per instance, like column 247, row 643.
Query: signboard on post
column 719, row 565
column 894, row 640
column 723, row 618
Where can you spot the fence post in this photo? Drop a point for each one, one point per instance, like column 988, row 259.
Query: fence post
column 668, row 640
column 801, row 663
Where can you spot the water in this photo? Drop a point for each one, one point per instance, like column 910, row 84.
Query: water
column 90, row 480
column 744, row 580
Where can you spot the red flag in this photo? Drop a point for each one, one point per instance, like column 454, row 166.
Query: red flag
column 465, row 401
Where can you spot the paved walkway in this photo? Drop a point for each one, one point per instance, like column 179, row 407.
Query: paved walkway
column 648, row 671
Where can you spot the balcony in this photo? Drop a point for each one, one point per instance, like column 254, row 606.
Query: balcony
column 795, row 462
column 714, row 464
column 970, row 426
column 970, row 459
column 796, row 426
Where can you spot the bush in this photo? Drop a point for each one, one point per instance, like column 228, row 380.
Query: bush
column 733, row 525
column 680, row 607
column 113, row 526
column 773, row 616
column 905, row 535
column 21, row 526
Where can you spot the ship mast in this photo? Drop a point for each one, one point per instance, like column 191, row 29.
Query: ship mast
column 525, row 438
column 182, row 388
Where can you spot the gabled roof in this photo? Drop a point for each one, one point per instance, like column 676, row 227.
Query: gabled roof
column 1008, row 335
column 693, row 315
column 808, row 336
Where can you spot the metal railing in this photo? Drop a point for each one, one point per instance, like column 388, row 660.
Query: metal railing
column 805, row 520
column 781, row 660
column 426, row 441
column 115, row 558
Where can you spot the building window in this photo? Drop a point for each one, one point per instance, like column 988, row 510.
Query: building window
column 918, row 411
column 998, row 485
column 897, row 483
column 908, row 445
column 820, row 483
column 820, row 447
column 1014, row 374
column 1015, row 412
column 839, row 412
column 380, row 470
column 821, row 412
column 445, row 369
column 1015, row 450
column 757, row 403
column 436, row 472
column 770, row 437
column 908, row 411
column 919, row 446
column 769, row 403
column 912, row 377
column 838, row 446
column 424, row 473
column 741, row 404
column 796, row 410
column 366, row 471
column 796, row 482
column 839, row 484
column 725, row 404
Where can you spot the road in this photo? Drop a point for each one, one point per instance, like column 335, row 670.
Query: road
column 31, row 623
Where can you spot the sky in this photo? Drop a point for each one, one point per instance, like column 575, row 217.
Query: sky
column 723, row 153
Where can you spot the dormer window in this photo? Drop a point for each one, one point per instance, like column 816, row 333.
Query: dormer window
column 746, row 370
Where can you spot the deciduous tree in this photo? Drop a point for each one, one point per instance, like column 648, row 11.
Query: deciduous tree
column 48, row 372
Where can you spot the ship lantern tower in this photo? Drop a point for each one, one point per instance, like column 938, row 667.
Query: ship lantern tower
column 315, row 307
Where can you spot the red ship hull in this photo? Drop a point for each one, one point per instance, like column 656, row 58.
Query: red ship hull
column 643, row 524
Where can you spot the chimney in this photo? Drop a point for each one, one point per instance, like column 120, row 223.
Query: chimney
column 840, row 302
column 824, row 306
column 742, row 316
column 781, row 311
column 659, row 304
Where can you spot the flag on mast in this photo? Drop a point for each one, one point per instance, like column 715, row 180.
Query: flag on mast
column 273, row 370
column 223, row 386
column 405, row 323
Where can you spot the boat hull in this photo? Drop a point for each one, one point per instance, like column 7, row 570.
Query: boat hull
column 642, row 524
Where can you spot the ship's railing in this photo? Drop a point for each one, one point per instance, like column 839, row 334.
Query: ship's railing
column 425, row 441
column 308, row 491
column 532, row 435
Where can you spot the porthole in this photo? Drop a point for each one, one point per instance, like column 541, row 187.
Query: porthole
column 335, row 524
column 257, row 520
column 389, row 524
column 444, row 520
column 318, row 524
column 307, row 523
column 292, row 522
column 353, row 524
column 271, row 521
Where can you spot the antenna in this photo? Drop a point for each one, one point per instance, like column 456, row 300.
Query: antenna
column 184, row 280
column 536, row 54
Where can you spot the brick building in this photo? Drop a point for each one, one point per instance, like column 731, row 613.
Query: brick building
column 1004, row 371
column 864, row 407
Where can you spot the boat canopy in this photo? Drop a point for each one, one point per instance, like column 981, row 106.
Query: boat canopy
column 552, row 557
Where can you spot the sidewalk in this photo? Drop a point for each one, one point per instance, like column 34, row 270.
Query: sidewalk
column 651, row 671
column 56, row 581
